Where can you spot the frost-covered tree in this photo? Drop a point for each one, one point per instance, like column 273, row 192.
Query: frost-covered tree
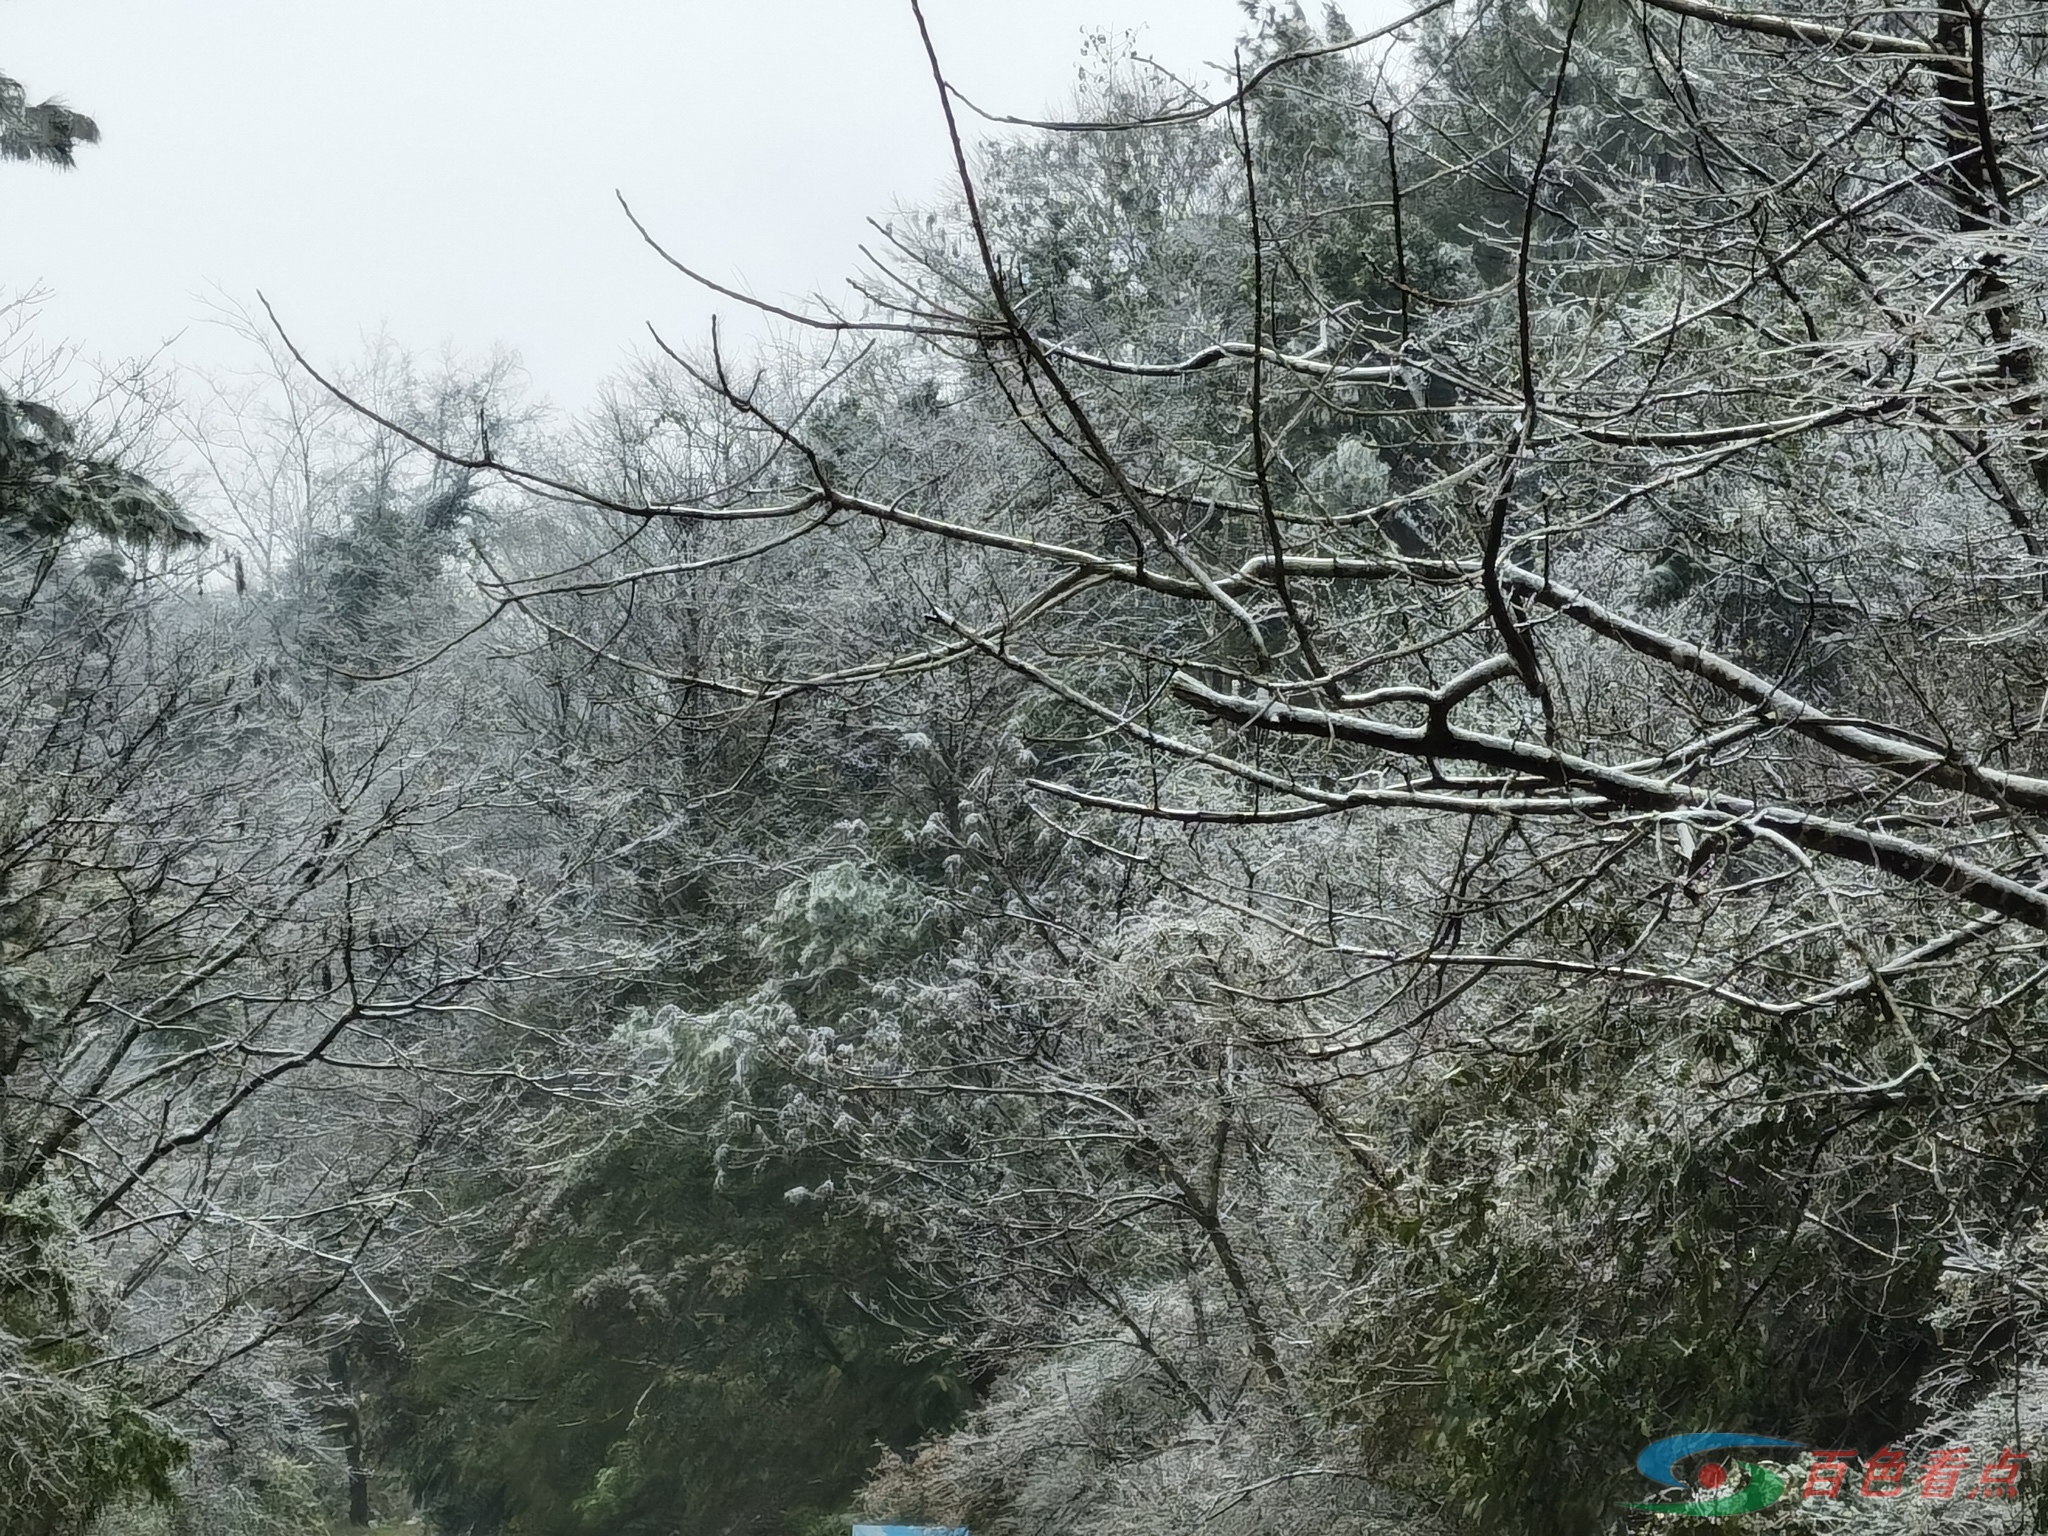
column 1496, row 906
column 47, row 132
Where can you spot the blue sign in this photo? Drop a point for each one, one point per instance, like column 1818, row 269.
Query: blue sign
column 910, row 1530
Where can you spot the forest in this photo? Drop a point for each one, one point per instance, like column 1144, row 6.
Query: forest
column 1341, row 810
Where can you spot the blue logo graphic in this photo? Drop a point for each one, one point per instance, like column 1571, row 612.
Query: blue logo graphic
column 1762, row 1487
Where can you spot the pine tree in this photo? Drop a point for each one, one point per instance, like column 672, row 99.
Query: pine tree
column 47, row 132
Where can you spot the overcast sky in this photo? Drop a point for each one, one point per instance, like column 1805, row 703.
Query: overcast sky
column 444, row 169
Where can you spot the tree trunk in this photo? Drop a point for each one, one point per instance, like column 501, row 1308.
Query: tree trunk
column 350, row 1422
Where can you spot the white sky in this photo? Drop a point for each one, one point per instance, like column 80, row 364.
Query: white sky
column 444, row 169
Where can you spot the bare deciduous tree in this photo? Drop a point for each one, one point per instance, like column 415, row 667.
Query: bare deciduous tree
column 1515, row 572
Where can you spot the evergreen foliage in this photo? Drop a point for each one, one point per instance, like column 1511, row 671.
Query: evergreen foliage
column 48, row 490
column 47, row 132
column 1353, row 819
column 666, row 1343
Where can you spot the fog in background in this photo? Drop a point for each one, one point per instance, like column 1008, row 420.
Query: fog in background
column 444, row 170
